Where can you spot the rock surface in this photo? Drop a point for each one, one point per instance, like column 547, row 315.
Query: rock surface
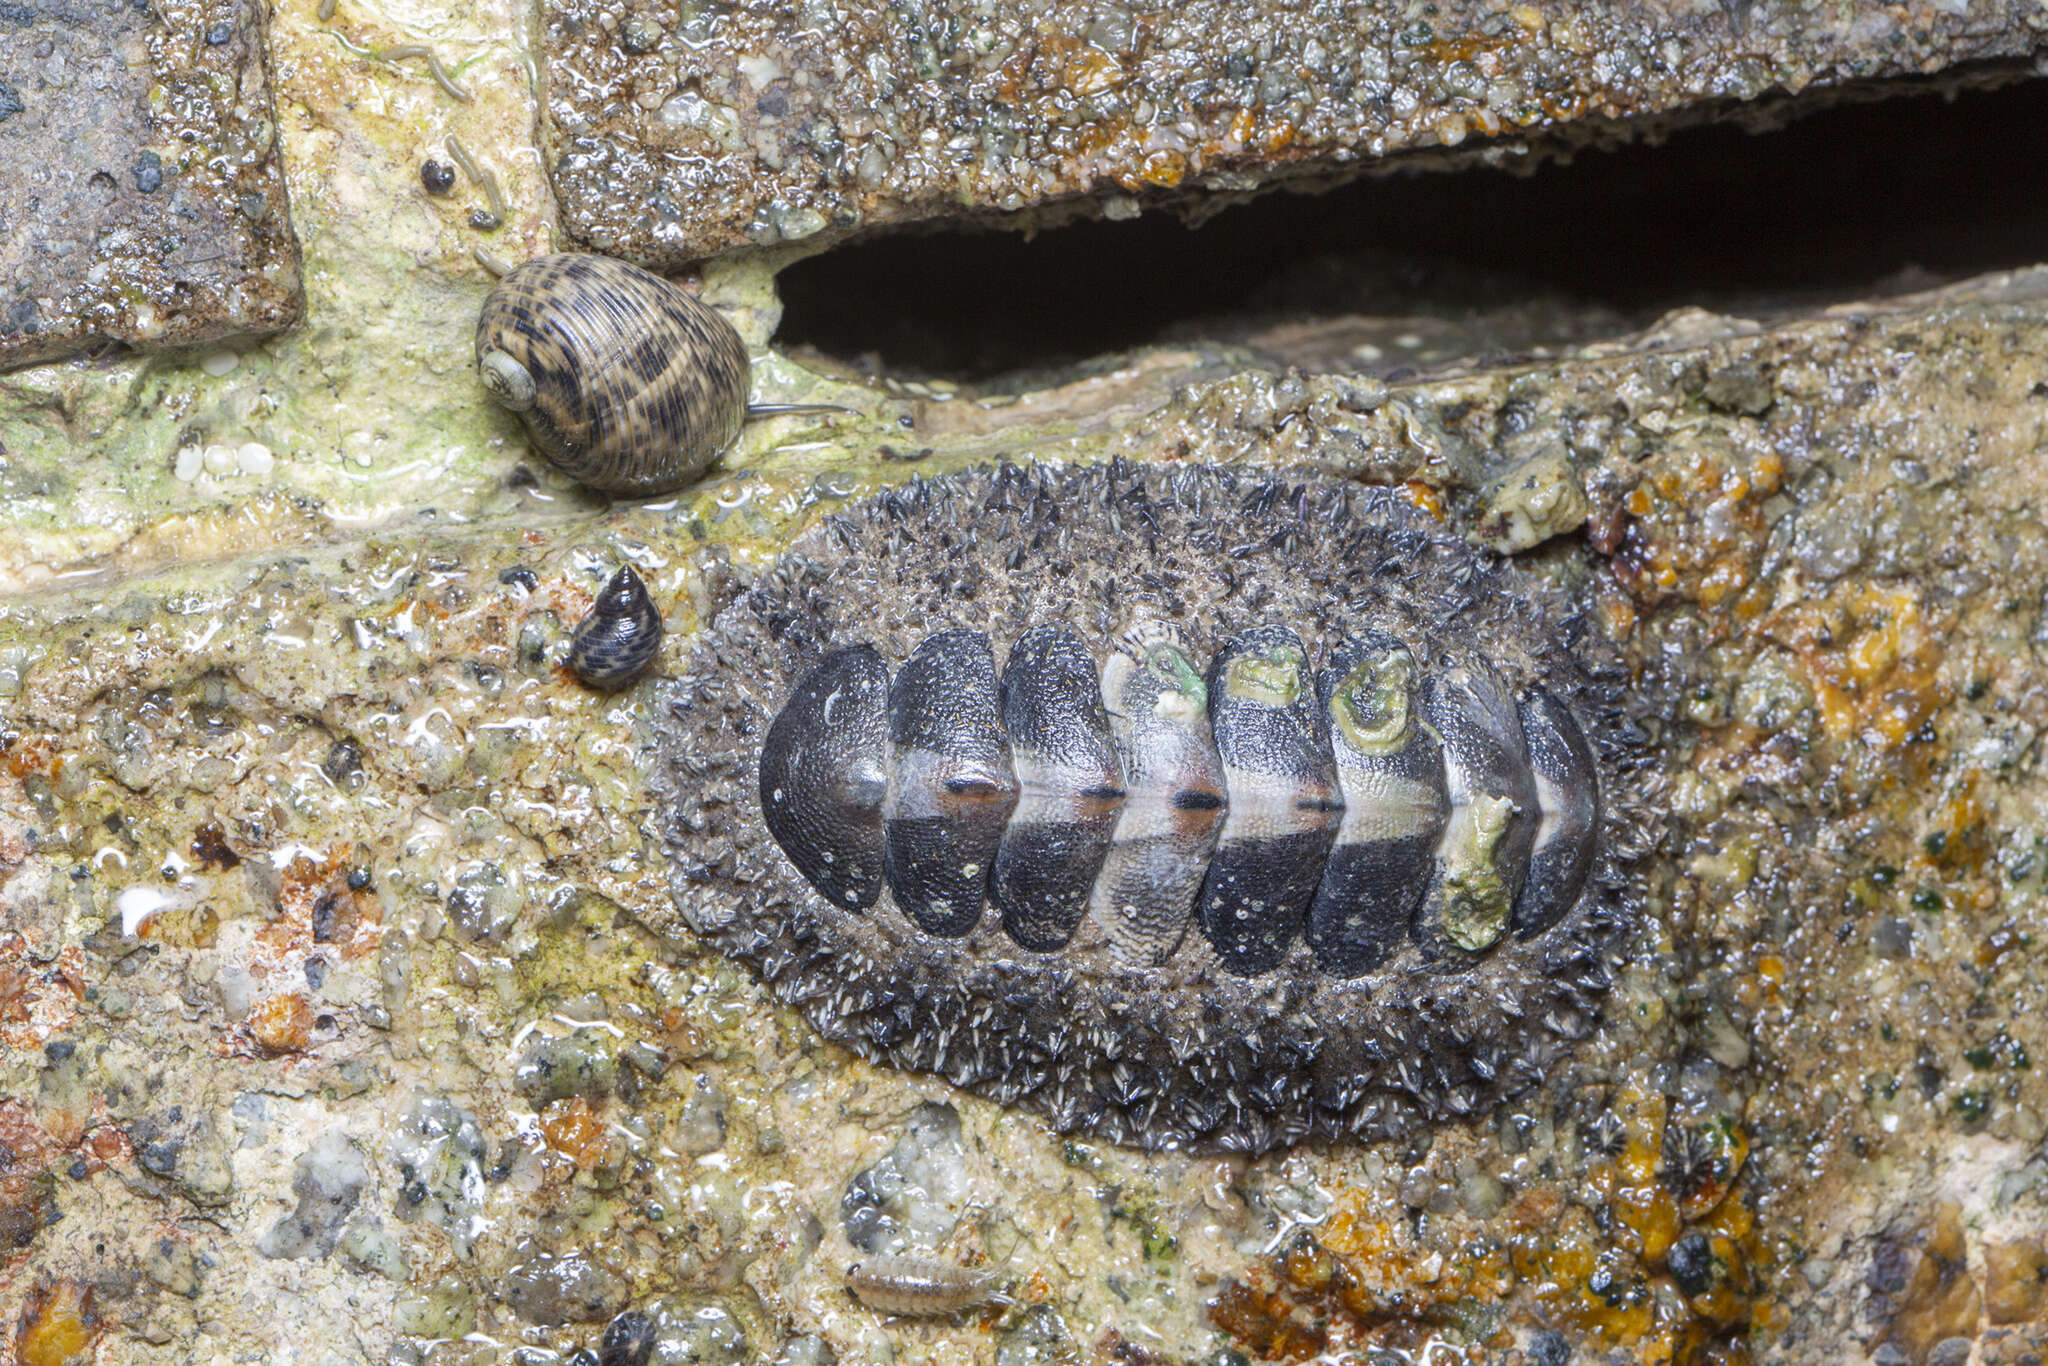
column 143, row 200
column 357, row 779
column 675, row 135
column 344, row 1016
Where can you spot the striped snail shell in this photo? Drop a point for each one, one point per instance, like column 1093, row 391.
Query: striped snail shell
column 620, row 635
column 625, row 382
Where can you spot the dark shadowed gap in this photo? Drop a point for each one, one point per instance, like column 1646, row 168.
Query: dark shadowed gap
column 1858, row 200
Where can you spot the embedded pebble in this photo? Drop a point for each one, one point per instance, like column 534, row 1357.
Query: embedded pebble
column 693, row 1332
column 579, row 1062
column 218, row 363
column 1041, row 1339
column 915, row 1193
column 437, row 1153
column 570, row 1288
column 328, row 1178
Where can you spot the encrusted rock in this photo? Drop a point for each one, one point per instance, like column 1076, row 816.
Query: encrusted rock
column 144, row 200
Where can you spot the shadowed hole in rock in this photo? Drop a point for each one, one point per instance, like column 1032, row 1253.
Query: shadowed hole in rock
column 1420, row 270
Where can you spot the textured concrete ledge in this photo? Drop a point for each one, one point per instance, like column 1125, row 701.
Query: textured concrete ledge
column 342, row 1000
column 671, row 139
column 141, row 199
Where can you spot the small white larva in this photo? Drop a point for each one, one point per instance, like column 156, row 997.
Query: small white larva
column 919, row 1287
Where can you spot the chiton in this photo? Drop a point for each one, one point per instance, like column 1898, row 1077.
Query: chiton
column 1192, row 808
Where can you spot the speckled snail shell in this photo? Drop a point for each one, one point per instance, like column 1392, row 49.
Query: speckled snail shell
column 625, row 382
column 619, row 637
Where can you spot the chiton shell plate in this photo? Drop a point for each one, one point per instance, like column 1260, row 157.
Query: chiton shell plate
column 880, row 785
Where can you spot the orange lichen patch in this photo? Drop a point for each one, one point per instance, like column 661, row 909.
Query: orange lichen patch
column 182, row 927
column 1034, row 1288
column 13, row 843
column 1267, row 1323
column 108, row 1146
column 1425, row 496
column 13, row 994
column 1165, row 169
column 1873, row 660
column 1091, row 71
column 1628, row 1181
column 1384, row 1274
column 1941, row 1298
column 1704, row 1243
column 25, row 756
column 1694, row 527
column 1765, row 986
column 572, row 1128
column 1725, row 577
column 1364, row 1279
column 1731, row 1286
column 37, row 1000
column 320, row 908
column 57, row 1324
column 283, row 1024
column 64, row 1125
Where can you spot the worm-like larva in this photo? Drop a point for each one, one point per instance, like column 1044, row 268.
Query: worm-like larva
column 440, row 73
column 616, row 642
column 482, row 220
column 919, row 1287
column 625, row 382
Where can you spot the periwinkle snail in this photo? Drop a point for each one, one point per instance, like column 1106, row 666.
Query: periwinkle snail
column 626, row 382
column 619, row 637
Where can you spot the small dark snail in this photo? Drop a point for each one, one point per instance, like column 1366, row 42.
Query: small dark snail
column 619, row 637
column 625, row 382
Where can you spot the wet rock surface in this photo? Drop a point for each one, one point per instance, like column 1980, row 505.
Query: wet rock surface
column 358, row 782
column 143, row 201
column 672, row 136
column 344, row 1013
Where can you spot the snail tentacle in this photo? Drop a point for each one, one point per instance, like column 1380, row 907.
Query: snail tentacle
column 758, row 411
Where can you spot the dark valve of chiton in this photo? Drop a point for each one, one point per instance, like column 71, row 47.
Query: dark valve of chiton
column 973, row 795
column 1189, row 809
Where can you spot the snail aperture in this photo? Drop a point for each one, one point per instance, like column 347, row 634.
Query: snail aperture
column 625, row 381
column 510, row 383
